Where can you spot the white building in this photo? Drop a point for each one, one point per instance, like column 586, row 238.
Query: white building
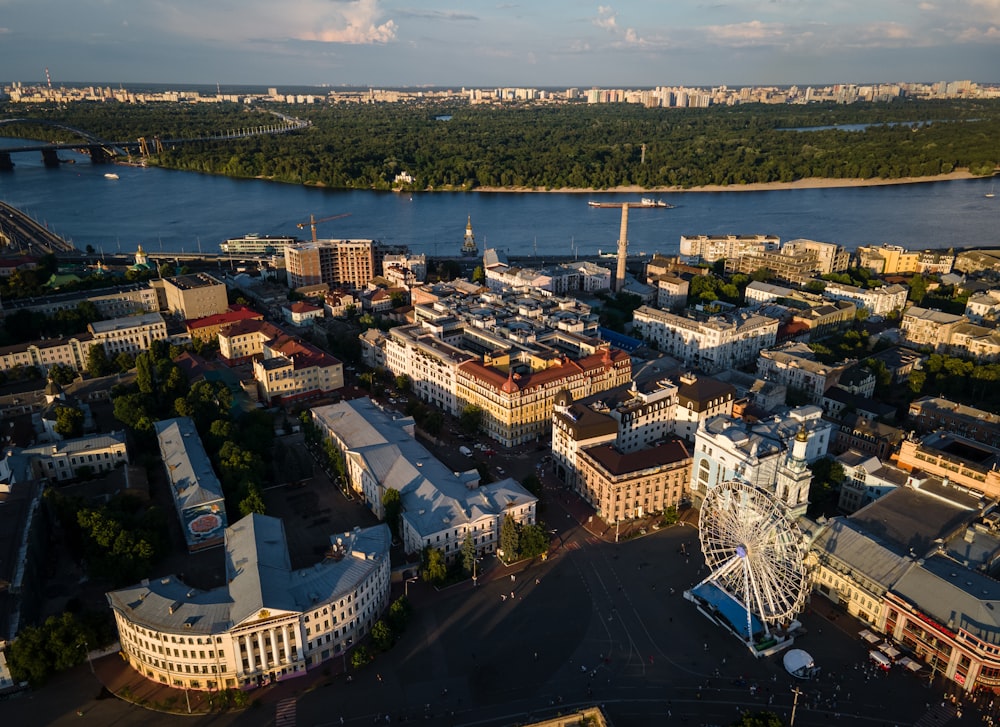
column 267, row 623
column 671, row 292
column 405, row 269
column 983, row 307
column 866, row 479
column 878, row 301
column 718, row 247
column 129, row 335
column 439, row 507
column 773, row 454
column 759, row 293
column 430, row 362
column 718, row 343
column 69, row 458
column 795, row 366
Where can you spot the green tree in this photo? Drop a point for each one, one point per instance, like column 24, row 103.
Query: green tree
column 533, row 541
column 399, row 613
column 758, row 719
column 403, row 383
column 360, row 657
column 433, row 423
column 252, row 503
column 41, row 651
column 145, row 376
column 471, row 419
column 509, row 539
column 827, row 473
column 382, row 635
column 62, row 374
column 97, row 361
column 468, row 553
column 124, row 362
column 392, row 504
column 478, row 275
column 69, row 422
column 433, row 569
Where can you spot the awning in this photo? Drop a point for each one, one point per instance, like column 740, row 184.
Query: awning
column 868, row 636
column 889, row 650
column 911, row 664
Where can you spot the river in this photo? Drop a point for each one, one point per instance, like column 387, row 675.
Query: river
column 173, row 211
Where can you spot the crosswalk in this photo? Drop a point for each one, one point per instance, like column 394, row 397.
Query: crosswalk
column 940, row 714
column 285, row 713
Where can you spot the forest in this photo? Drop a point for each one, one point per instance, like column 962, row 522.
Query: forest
column 601, row 146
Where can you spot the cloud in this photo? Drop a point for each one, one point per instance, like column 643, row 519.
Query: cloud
column 606, row 18
column 750, row 33
column 927, row 6
column 436, row 15
column 356, row 25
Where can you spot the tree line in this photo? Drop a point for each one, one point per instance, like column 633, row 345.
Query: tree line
column 352, row 146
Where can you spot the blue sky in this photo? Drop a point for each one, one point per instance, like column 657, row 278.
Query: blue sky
column 499, row 42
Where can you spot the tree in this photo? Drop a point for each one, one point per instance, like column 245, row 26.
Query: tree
column 62, row 374
column 827, row 473
column 360, row 657
column 468, row 553
column 758, row 719
column 433, row 423
column 382, row 635
column 399, row 613
column 40, row 651
column 533, row 541
column 470, row 419
column 97, row 361
column 403, row 383
column 433, row 570
column 478, row 275
column 509, row 539
column 69, row 422
column 253, row 502
column 392, row 504
column 124, row 362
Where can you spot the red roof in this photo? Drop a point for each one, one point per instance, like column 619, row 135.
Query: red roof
column 301, row 354
column 300, row 306
column 235, row 314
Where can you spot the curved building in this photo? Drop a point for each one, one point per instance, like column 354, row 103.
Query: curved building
column 269, row 622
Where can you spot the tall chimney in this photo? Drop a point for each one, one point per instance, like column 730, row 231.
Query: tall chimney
column 622, row 250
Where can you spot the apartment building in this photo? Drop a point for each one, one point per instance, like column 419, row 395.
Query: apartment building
column 268, row 622
column 866, row 479
column 195, row 296
column 877, row 301
column 117, row 302
column 983, row 307
column 240, row 342
column 712, row 344
column 964, row 462
column 43, row 355
column 625, row 485
column 290, row 369
column 671, row 292
column 131, row 335
column 929, row 327
column 440, row 508
column 936, row 412
column 795, row 366
column 430, row 362
column 709, row 248
column 337, row 262
column 888, row 259
column 208, row 328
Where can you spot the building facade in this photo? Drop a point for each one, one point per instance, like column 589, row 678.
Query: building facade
column 195, row 296
column 132, row 335
column 268, row 623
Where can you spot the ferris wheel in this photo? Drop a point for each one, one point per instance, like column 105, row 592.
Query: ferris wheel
column 752, row 548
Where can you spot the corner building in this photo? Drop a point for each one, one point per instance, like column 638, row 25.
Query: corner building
column 268, row 623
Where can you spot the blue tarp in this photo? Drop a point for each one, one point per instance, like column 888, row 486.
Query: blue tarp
column 619, row 340
column 728, row 608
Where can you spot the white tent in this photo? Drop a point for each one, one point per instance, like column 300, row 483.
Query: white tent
column 799, row 664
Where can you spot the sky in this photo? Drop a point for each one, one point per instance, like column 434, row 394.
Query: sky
column 489, row 43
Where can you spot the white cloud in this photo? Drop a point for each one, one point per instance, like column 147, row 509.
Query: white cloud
column 927, row 6
column 606, row 18
column 356, row 24
column 749, row 33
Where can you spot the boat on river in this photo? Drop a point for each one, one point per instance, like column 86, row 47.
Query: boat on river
column 111, row 175
column 642, row 203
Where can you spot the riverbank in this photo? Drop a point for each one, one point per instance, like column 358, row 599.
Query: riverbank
column 810, row 183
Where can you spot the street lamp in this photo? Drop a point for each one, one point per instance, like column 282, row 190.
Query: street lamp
column 86, row 650
column 475, row 577
column 406, row 585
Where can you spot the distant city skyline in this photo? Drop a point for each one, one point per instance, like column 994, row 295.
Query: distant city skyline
column 472, row 43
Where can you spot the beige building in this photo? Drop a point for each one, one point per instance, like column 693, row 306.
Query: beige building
column 195, row 296
column 336, row 262
column 718, row 247
column 129, row 335
column 894, row 260
column 621, row 486
column 242, row 341
column 712, row 344
column 45, row 354
column 795, row 366
column 963, row 462
column 830, row 257
column 929, row 327
column 290, row 369
column 516, row 394
column 267, row 622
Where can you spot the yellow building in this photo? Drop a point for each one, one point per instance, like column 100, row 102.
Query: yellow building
column 195, row 296
column 516, row 395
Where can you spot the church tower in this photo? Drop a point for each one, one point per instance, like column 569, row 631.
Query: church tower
column 794, row 475
column 140, row 257
column 469, row 247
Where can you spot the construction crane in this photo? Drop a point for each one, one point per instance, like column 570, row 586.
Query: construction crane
column 313, row 222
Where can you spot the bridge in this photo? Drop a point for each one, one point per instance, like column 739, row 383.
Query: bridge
column 102, row 151
column 20, row 232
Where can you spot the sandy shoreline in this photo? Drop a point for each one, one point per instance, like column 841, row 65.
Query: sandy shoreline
column 811, row 183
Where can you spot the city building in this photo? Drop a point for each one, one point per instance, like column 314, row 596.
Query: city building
column 866, row 479
column 877, row 301
column 929, row 327
column 625, row 485
column 982, row 307
column 978, row 342
column 795, row 366
column 894, row 260
column 68, row 459
column 773, row 454
column 255, row 244
column 132, row 335
column 671, row 292
column 196, row 490
column 830, row 257
column 300, row 313
column 45, row 354
column 405, row 270
column 267, row 623
column 709, row 248
column 963, row 462
column 197, row 295
column 936, row 412
column 340, row 303
column 440, row 508
column 337, row 262
column 712, row 344
column 240, row 342
column 116, row 302
column 207, row 329
column 290, row 369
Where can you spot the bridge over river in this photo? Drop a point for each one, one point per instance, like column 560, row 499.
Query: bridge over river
column 103, row 152
column 20, row 232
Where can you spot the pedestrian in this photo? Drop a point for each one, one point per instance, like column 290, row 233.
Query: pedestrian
column 537, row 581
column 503, row 597
column 512, row 578
column 512, row 595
